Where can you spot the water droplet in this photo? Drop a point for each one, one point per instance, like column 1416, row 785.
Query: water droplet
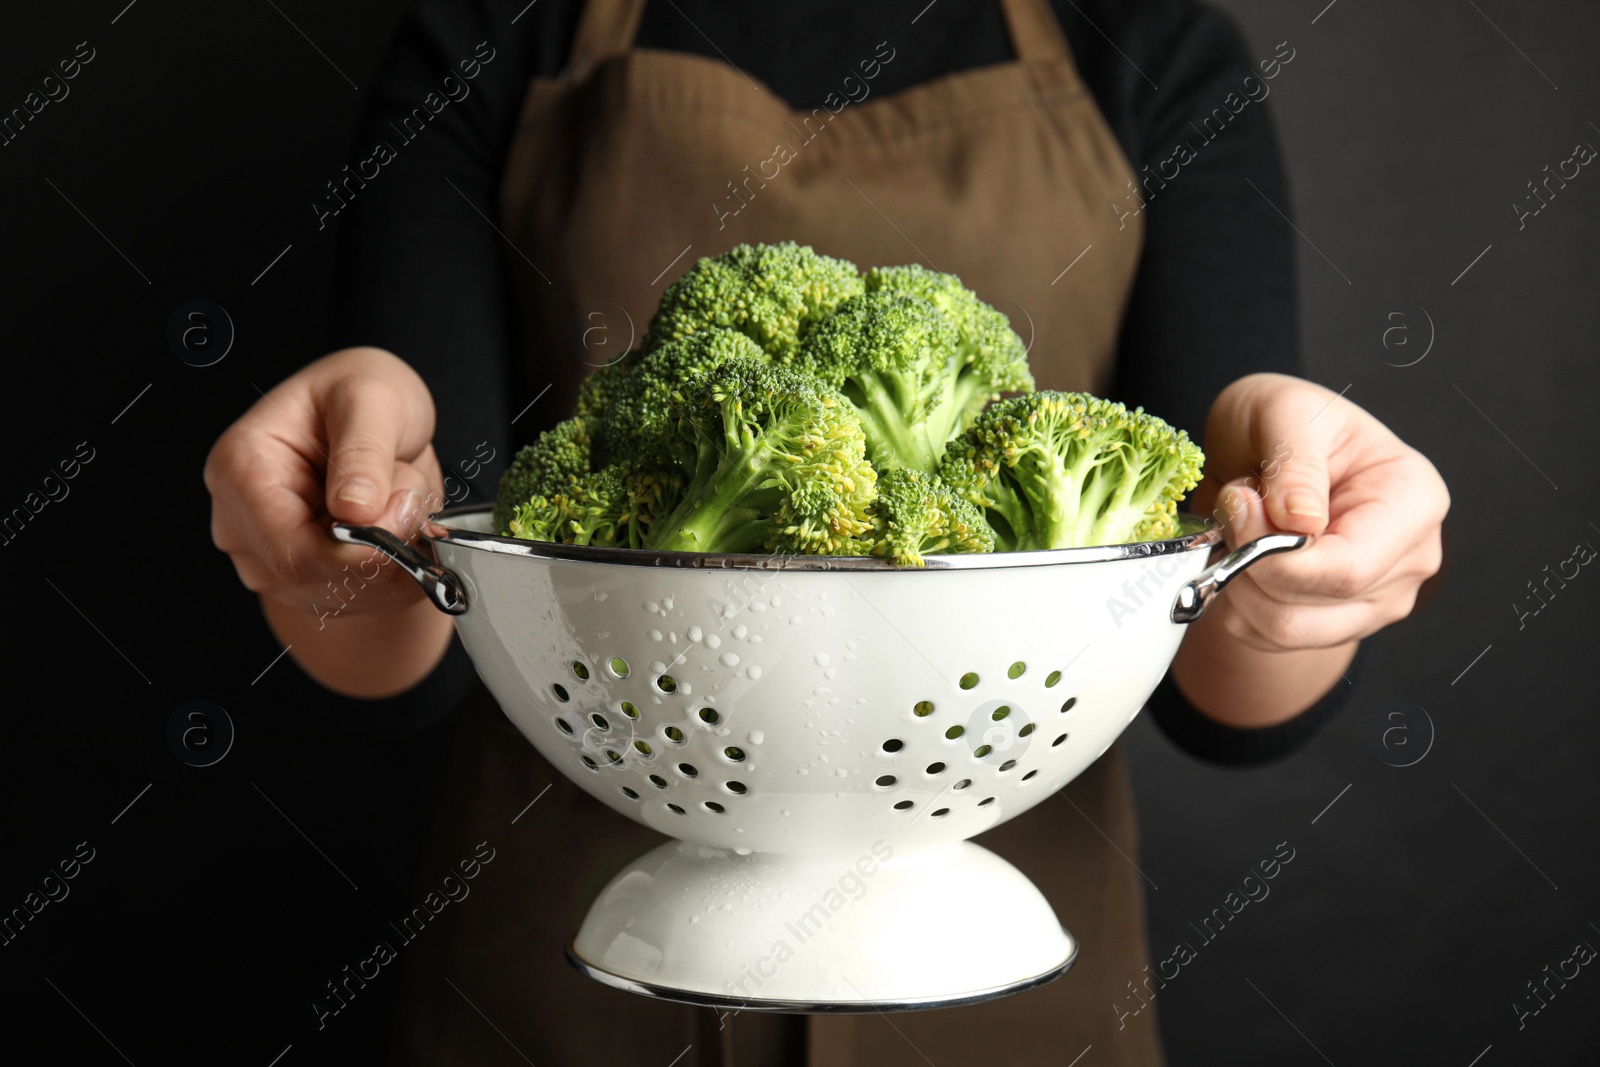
column 830, row 673
column 755, row 639
column 729, row 659
column 653, row 608
column 672, row 635
column 713, row 642
column 795, row 620
column 666, row 602
column 756, row 737
column 695, row 633
column 753, row 673
column 601, row 595
column 741, row 851
column 842, row 773
column 758, row 606
column 741, row 631
column 822, row 659
column 654, row 635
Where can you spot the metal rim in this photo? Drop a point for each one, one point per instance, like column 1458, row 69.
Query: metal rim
column 818, row 1007
column 439, row 530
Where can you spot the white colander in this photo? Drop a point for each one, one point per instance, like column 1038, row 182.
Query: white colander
column 821, row 736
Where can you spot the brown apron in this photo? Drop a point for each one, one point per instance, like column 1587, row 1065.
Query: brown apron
column 623, row 172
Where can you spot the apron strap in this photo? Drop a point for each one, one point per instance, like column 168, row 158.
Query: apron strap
column 605, row 28
column 1035, row 31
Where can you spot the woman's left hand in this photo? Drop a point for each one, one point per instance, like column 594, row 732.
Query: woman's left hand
column 1283, row 454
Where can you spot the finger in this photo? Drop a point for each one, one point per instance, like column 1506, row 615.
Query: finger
column 369, row 426
column 1260, row 621
column 1382, row 515
column 1296, row 437
column 261, row 486
column 1240, row 510
column 411, row 502
column 362, row 577
column 1277, row 577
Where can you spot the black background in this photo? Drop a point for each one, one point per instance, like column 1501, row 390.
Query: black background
column 1417, row 905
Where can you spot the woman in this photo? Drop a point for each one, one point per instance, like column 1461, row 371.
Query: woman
column 1106, row 174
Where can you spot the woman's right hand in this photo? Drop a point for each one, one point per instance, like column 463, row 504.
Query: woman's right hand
column 348, row 438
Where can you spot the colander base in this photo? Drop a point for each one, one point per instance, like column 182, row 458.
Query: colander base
column 815, row 1007
column 765, row 932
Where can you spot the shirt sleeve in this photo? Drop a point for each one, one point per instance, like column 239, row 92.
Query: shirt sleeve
column 422, row 258
column 1215, row 295
column 422, row 266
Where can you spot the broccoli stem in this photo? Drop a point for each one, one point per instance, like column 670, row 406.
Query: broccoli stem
column 730, row 500
column 895, row 439
column 1134, row 491
column 712, row 526
column 1053, row 499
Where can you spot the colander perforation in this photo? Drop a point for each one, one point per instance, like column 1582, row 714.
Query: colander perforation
column 1014, row 725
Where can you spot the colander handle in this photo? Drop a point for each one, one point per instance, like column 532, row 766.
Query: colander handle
column 1196, row 593
column 442, row 587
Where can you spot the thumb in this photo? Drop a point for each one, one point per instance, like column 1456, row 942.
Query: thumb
column 364, row 424
column 1294, row 475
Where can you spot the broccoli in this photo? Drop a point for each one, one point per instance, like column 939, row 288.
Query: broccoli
column 769, row 293
column 1059, row 470
column 599, row 395
column 916, row 514
column 589, row 509
column 992, row 359
column 776, row 461
column 613, row 506
column 544, row 468
column 781, row 402
column 897, row 360
column 598, row 391
column 636, row 424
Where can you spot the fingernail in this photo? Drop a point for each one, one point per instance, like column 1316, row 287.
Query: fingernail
column 1304, row 502
column 406, row 507
column 358, row 491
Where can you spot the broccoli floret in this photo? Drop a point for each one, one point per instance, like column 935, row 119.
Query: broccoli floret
column 598, row 392
column 599, row 396
column 777, row 462
column 916, row 515
column 542, row 469
column 612, row 507
column 897, row 359
column 1060, row 470
column 637, row 427
column 590, row 509
column 769, row 293
column 992, row 359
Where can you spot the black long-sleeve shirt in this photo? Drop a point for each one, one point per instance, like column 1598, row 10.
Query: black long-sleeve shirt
column 1214, row 298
